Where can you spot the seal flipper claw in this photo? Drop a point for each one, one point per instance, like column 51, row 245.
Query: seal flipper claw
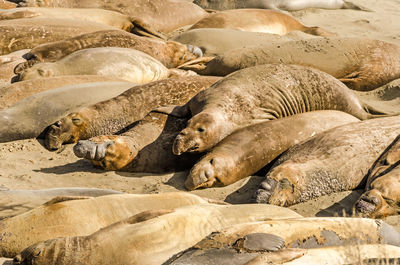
column 265, row 190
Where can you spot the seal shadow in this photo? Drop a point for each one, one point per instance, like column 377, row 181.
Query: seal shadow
column 344, row 207
column 78, row 166
column 12, row 207
column 245, row 193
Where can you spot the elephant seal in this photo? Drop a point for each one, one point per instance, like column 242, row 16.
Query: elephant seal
column 246, row 241
column 80, row 216
column 362, row 64
column 170, row 53
column 12, row 93
column 101, row 16
column 150, row 242
column 257, row 94
column 4, row 4
column 249, row 149
column 7, row 64
column 156, row 15
column 128, row 64
column 335, row 160
column 258, row 20
column 26, row 33
column 381, row 197
column 280, row 5
column 15, row 202
column 113, row 115
column 29, row 117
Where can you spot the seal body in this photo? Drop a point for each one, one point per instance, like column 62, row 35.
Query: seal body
column 246, row 151
column 362, row 64
column 257, row 94
column 257, row 20
column 123, row 63
column 112, row 116
column 335, row 160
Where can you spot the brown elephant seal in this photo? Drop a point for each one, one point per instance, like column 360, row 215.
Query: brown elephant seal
column 280, row 5
column 157, row 15
column 258, row 20
column 112, row 116
column 246, row 241
column 335, row 160
column 79, row 216
column 362, row 64
column 257, row 94
column 170, row 53
column 127, row 64
column 10, row 94
column 7, row 64
column 249, row 149
column 381, row 197
column 150, row 242
column 29, row 117
column 26, row 33
column 101, row 16
column 15, row 202
column 4, row 4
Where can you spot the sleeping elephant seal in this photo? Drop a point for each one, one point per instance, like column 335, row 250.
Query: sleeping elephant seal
column 258, row 20
column 152, row 241
column 29, row 117
column 170, row 53
column 381, row 197
column 81, row 216
column 256, row 94
column 15, row 202
column 249, row 149
column 288, row 5
column 335, row 160
column 246, row 241
column 128, row 64
column 362, row 64
column 12, row 93
column 113, row 115
column 156, row 15
column 26, row 33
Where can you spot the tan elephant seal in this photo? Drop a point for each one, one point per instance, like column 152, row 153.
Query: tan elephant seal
column 101, row 16
column 287, row 5
column 149, row 242
column 10, row 94
column 381, row 197
column 26, row 33
column 362, row 64
column 80, row 216
column 155, row 15
column 127, row 64
column 249, row 149
column 4, row 4
column 170, row 53
column 258, row 20
column 241, row 243
column 7, row 64
column 335, row 160
column 31, row 116
column 256, row 94
column 113, row 115
column 15, row 202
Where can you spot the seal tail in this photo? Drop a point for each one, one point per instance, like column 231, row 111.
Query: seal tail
column 350, row 5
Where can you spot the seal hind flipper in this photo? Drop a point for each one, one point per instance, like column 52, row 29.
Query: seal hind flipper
column 143, row 29
column 261, row 242
column 350, row 5
column 65, row 198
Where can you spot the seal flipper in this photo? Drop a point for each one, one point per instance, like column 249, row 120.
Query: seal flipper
column 147, row 215
column 261, row 242
column 143, row 29
column 198, row 65
column 350, row 5
column 65, row 198
column 173, row 110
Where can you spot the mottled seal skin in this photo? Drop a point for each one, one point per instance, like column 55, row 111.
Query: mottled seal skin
column 26, row 33
column 256, row 94
column 15, row 202
column 287, row 5
column 362, row 64
column 335, row 160
column 150, row 242
column 248, row 240
column 112, row 116
column 101, row 16
column 258, row 20
column 381, row 197
column 169, row 53
column 128, row 64
column 247, row 150
column 161, row 15
column 79, row 216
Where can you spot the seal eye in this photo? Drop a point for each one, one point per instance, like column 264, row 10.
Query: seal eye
column 200, row 129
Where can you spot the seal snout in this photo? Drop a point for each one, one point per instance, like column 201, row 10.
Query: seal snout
column 52, row 141
column 201, row 175
column 182, row 144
